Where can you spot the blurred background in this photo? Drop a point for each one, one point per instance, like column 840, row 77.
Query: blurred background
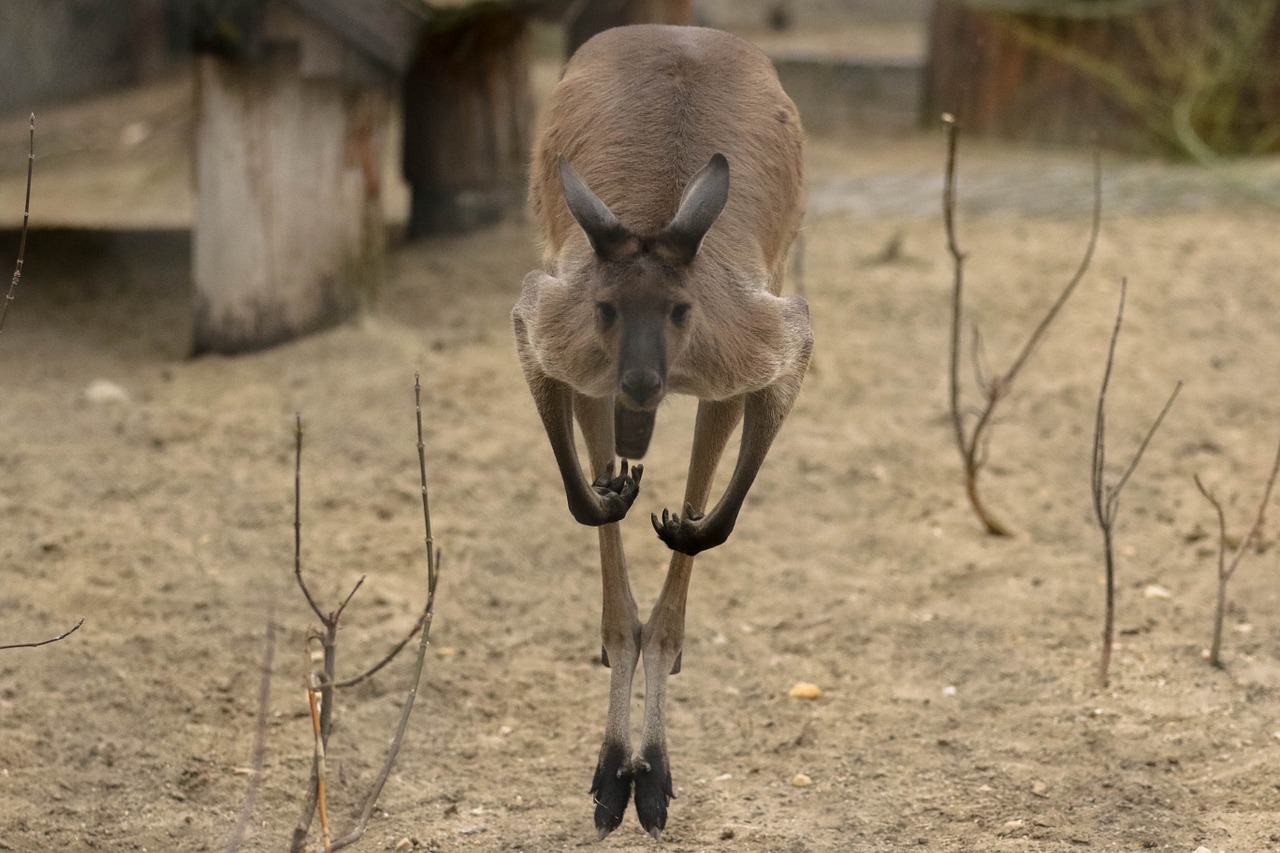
column 407, row 118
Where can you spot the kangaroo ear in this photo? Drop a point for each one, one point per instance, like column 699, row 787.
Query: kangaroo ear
column 703, row 199
column 608, row 236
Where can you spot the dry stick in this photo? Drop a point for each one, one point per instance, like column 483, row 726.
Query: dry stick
column 259, row 741
column 37, row 645
column 390, row 656
column 313, row 702
column 4, row 312
column 329, row 644
column 433, row 577
column 1227, row 570
column 1106, row 498
column 972, row 441
column 22, row 241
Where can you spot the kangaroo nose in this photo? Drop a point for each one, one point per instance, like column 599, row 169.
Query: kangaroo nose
column 641, row 385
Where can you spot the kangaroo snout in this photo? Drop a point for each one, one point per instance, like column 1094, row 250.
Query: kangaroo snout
column 642, row 386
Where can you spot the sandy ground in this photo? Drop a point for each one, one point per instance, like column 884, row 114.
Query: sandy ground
column 960, row 709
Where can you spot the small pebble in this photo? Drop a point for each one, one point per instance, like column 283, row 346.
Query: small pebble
column 403, row 844
column 134, row 134
column 105, row 391
column 805, row 690
column 1013, row 824
column 800, row 780
column 949, row 690
column 446, row 651
column 1154, row 591
column 1040, row 789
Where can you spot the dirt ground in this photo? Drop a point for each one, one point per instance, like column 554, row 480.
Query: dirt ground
column 959, row 706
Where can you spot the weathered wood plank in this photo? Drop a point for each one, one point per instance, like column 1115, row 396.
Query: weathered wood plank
column 289, row 234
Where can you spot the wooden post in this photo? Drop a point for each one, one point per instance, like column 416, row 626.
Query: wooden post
column 468, row 113
column 289, row 233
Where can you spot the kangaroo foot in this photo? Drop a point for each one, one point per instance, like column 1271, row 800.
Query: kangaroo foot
column 653, row 789
column 611, row 787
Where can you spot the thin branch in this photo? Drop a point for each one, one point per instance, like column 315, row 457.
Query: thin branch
column 1094, row 227
column 1142, row 447
column 47, row 642
column 398, row 741
column 975, row 354
column 337, row 614
column 1227, row 570
column 1257, row 522
column 973, row 441
column 433, row 578
column 957, row 283
column 259, row 741
column 1099, row 458
column 313, row 702
column 395, row 650
column 1106, row 498
column 297, row 518
column 26, row 215
column 1222, row 524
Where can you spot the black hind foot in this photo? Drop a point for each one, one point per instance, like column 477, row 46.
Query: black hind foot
column 611, row 787
column 653, row 789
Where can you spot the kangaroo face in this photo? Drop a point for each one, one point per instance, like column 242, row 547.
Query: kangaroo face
column 643, row 316
column 644, row 307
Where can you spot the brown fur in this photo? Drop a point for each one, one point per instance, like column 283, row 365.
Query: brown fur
column 640, row 109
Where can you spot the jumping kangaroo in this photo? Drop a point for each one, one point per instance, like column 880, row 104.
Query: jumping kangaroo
column 668, row 187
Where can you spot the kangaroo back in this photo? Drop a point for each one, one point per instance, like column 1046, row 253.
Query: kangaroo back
column 640, row 109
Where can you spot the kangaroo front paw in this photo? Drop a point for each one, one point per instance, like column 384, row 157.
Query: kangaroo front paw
column 688, row 535
column 611, row 787
column 653, row 789
column 613, row 495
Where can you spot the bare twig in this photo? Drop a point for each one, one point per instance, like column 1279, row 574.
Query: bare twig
column 1227, row 570
column 297, row 517
column 433, row 577
column 259, row 741
column 321, row 685
column 26, row 215
column 391, row 655
column 40, row 643
column 313, row 702
column 1106, row 497
column 972, row 440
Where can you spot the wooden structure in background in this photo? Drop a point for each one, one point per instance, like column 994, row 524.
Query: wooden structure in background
column 597, row 16
column 293, row 106
column 289, row 234
column 468, row 116
column 468, row 107
column 1056, row 71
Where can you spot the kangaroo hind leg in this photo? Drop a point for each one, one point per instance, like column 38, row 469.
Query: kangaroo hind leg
column 619, row 632
column 663, row 635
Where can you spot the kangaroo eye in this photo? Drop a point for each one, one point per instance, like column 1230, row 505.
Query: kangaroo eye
column 679, row 314
column 606, row 312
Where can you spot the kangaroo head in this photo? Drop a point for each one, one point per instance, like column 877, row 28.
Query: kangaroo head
column 646, row 299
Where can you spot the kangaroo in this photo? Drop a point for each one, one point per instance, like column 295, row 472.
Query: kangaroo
column 668, row 186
